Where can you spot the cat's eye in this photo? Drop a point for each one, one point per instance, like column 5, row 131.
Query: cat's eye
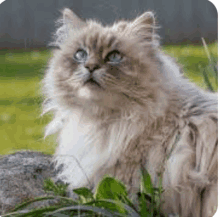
column 114, row 57
column 81, row 55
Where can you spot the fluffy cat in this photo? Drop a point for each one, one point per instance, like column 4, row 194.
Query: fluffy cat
column 120, row 103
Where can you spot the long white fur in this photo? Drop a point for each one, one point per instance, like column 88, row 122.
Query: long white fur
column 84, row 150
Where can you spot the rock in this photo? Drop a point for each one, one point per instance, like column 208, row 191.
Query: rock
column 21, row 178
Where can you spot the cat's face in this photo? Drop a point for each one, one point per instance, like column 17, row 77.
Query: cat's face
column 106, row 66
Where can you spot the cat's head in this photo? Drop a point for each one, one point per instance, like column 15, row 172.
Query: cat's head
column 107, row 66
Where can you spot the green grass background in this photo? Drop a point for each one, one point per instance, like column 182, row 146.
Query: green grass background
column 22, row 127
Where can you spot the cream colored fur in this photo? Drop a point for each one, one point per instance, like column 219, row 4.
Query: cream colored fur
column 174, row 136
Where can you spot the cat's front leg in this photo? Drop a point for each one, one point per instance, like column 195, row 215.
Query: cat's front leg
column 79, row 152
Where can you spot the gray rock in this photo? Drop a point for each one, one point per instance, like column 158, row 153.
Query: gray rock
column 21, row 178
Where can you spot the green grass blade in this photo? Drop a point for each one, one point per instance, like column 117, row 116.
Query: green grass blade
column 84, row 208
column 60, row 215
column 206, row 79
column 214, row 68
column 130, row 211
column 129, row 203
column 34, row 212
column 85, row 194
column 15, row 213
column 146, row 184
column 110, row 188
column 59, row 189
column 21, row 206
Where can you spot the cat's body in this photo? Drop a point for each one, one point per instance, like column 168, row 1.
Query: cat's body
column 120, row 104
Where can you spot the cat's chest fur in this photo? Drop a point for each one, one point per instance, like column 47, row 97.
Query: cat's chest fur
column 87, row 148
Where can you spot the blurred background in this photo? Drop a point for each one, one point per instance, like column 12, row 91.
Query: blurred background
column 188, row 33
column 29, row 23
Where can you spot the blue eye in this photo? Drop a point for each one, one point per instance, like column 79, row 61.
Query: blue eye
column 114, row 57
column 81, row 55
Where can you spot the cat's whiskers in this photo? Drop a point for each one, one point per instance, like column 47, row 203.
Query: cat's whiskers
column 109, row 79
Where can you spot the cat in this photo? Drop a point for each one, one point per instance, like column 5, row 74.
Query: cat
column 120, row 103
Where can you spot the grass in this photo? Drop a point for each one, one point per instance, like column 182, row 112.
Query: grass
column 21, row 126
column 110, row 199
column 191, row 58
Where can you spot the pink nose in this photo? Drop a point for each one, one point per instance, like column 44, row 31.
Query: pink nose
column 92, row 67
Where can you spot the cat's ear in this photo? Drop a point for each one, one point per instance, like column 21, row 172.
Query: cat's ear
column 144, row 26
column 72, row 20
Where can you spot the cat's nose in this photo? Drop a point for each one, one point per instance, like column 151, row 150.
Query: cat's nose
column 92, row 67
